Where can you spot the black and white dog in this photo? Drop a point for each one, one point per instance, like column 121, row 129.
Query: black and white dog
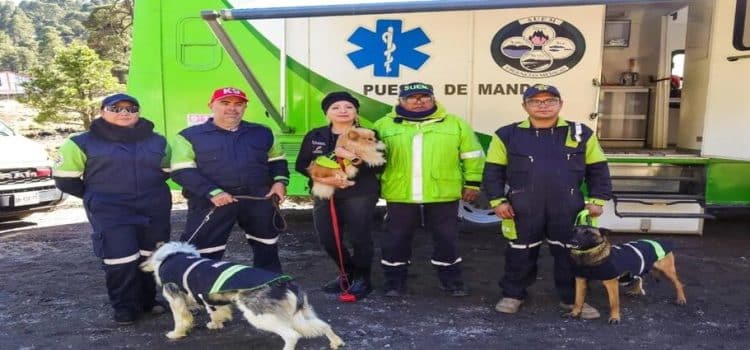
column 268, row 300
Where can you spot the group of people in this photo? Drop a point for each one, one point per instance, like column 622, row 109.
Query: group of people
column 232, row 171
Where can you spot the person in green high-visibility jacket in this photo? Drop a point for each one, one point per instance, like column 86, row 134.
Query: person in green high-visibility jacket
column 433, row 160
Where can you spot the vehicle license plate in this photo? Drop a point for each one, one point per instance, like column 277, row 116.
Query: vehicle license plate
column 25, row 198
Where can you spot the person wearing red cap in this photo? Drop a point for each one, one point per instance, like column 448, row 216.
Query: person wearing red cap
column 223, row 158
column 543, row 160
column 354, row 204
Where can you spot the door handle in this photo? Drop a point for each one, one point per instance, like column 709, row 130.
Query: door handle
column 735, row 58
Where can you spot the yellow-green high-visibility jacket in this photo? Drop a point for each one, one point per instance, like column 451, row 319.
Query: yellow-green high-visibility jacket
column 430, row 160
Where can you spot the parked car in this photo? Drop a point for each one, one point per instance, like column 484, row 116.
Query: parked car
column 26, row 184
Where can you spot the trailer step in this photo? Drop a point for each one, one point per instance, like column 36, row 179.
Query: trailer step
column 660, row 200
column 664, row 215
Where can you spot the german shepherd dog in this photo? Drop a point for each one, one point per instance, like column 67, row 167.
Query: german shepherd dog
column 594, row 258
column 266, row 299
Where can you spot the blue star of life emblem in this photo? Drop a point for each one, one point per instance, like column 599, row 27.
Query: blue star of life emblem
column 388, row 48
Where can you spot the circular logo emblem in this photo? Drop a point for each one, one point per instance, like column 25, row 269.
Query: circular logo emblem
column 537, row 47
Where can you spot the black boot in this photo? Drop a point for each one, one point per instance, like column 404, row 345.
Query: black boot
column 361, row 285
column 125, row 317
column 334, row 286
column 395, row 280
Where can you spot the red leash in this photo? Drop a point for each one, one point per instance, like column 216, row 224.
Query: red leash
column 345, row 296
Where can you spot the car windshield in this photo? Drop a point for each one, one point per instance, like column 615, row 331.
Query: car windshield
column 5, row 130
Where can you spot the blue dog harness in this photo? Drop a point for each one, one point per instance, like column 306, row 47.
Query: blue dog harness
column 201, row 277
column 635, row 257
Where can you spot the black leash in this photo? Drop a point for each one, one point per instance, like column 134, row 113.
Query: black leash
column 275, row 201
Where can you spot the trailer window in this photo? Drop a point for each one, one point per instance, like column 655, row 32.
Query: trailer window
column 742, row 25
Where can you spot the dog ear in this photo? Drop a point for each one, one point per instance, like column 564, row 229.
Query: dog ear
column 605, row 231
column 353, row 135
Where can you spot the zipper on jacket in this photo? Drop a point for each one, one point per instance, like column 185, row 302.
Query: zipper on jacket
column 531, row 158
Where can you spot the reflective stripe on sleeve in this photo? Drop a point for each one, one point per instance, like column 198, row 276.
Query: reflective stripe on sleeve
column 472, row 154
column 67, row 173
column 183, row 165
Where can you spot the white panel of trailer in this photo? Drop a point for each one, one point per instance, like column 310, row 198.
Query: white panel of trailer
column 652, row 225
column 459, row 55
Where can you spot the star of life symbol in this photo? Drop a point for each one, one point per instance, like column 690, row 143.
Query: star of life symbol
column 388, row 48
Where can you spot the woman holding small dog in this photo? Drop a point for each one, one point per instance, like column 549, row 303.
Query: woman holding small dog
column 354, row 203
column 118, row 168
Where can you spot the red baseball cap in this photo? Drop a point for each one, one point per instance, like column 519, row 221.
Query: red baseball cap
column 227, row 92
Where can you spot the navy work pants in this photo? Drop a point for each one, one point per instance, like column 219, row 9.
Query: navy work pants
column 126, row 230
column 541, row 216
column 255, row 217
column 402, row 221
column 355, row 216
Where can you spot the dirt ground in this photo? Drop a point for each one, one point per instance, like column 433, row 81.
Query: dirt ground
column 52, row 296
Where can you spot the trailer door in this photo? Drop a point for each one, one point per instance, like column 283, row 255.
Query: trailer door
column 726, row 60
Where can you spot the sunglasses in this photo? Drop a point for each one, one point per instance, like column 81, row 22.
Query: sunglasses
column 115, row 109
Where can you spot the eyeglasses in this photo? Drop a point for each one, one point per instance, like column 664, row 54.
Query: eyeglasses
column 424, row 98
column 115, row 109
column 548, row 102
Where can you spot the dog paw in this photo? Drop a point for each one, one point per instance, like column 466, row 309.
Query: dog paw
column 681, row 302
column 336, row 344
column 571, row 315
column 175, row 335
column 635, row 293
column 614, row 320
column 214, row 325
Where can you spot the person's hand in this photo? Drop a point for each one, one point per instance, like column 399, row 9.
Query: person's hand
column 504, row 211
column 223, row 199
column 278, row 189
column 469, row 194
column 334, row 181
column 594, row 210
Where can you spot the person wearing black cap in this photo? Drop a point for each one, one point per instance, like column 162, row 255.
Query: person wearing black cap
column 434, row 160
column 354, row 204
column 119, row 168
column 543, row 161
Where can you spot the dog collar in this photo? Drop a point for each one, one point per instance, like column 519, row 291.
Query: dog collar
column 578, row 251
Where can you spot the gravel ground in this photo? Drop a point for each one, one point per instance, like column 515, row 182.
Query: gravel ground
column 53, row 297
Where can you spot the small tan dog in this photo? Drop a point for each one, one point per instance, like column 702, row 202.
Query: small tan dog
column 363, row 144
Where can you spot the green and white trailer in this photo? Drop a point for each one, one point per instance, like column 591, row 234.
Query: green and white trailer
column 612, row 60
